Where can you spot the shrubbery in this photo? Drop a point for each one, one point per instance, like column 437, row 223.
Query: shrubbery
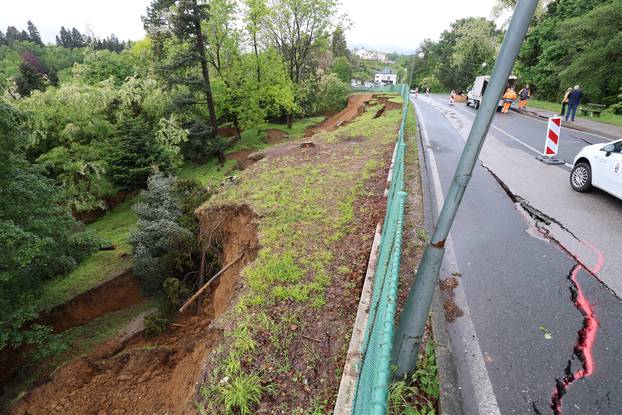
column 39, row 239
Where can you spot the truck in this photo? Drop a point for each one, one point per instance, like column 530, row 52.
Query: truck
column 476, row 91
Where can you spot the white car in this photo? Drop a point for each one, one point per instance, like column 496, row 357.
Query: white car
column 599, row 165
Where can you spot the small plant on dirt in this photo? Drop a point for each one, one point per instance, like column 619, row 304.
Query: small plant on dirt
column 422, row 235
column 241, row 393
column 175, row 293
column 156, row 323
column 418, row 395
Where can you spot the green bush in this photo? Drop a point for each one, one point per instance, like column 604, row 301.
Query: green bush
column 39, row 239
column 156, row 323
column 161, row 244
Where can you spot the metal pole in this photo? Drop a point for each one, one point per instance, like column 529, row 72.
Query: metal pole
column 414, row 316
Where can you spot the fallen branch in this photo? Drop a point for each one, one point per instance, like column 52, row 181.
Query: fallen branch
column 108, row 248
column 204, row 287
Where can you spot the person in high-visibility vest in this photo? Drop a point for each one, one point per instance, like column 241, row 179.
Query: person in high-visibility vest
column 508, row 98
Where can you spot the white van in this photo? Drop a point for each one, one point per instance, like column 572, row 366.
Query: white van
column 476, row 92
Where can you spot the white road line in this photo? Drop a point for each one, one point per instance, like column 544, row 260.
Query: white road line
column 485, row 398
column 567, row 128
column 512, row 137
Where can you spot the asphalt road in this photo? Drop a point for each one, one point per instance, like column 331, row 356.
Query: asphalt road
column 539, row 329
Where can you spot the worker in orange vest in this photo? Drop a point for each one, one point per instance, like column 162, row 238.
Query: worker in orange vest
column 508, row 98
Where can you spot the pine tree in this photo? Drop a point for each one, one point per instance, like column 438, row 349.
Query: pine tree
column 23, row 36
column 135, row 152
column 339, row 46
column 76, row 39
column 184, row 18
column 33, row 32
column 64, row 39
column 12, row 35
column 2, row 39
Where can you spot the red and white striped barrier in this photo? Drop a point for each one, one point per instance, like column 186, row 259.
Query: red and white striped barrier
column 551, row 146
column 552, row 136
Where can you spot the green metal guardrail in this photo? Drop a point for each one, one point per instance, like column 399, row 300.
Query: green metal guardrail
column 373, row 384
column 396, row 89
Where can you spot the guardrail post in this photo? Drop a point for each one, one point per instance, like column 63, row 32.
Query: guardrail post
column 415, row 314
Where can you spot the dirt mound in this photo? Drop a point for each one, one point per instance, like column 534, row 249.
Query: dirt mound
column 115, row 294
column 356, row 105
column 242, row 158
column 234, row 229
column 154, row 375
column 274, row 136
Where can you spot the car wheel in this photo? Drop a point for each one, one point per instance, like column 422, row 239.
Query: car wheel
column 476, row 105
column 581, row 177
column 468, row 104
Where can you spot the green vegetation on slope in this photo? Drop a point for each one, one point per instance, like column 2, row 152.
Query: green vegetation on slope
column 305, row 216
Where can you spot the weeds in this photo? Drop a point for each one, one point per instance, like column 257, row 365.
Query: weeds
column 417, row 395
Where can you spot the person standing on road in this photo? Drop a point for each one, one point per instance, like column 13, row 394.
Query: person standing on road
column 452, row 97
column 427, row 91
column 508, row 98
column 523, row 95
column 417, row 92
column 574, row 99
column 565, row 101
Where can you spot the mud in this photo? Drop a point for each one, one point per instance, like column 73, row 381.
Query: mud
column 115, row 294
column 356, row 105
column 242, row 158
column 142, row 375
column 274, row 136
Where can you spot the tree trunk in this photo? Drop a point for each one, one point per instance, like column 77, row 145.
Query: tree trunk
column 238, row 132
column 257, row 60
column 290, row 120
column 201, row 280
column 200, row 46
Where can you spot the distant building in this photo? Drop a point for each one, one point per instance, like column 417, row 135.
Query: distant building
column 386, row 77
column 370, row 55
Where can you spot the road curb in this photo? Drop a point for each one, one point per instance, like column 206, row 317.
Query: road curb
column 450, row 396
column 576, row 127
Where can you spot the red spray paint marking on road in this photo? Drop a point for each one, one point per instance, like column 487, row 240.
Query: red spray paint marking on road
column 587, row 335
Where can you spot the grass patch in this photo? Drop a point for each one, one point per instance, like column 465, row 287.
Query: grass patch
column 606, row 116
column 209, row 173
column 306, row 202
column 115, row 228
column 255, row 138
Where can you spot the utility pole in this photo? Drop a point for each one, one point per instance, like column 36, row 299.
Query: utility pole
column 415, row 314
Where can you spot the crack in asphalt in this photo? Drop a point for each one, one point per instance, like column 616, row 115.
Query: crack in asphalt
column 532, row 211
column 586, row 338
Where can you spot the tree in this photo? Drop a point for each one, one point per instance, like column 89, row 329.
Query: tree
column 77, row 41
column 339, row 47
column 342, row 68
column 39, row 239
column 184, row 19
column 31, row 75
column 135, row 152
column 12, row 35
column 476, row 43
column 297, row 28
column 159, row 239
column 257, row 12
column 3, row 41
column 64, row 38
column 33, row 33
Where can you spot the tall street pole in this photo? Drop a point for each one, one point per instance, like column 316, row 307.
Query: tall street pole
column 415, row 314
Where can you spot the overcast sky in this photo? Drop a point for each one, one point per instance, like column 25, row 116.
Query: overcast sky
column 385, row 25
